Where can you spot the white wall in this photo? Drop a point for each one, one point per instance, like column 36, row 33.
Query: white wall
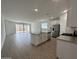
column 7, row 28
column 35, row 27
column 10, row 27
column 3, row 33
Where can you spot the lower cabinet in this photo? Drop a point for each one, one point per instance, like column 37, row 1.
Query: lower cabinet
column 66, row 50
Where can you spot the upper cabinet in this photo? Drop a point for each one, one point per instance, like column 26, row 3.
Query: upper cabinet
column 71, row 18
column 72, row 15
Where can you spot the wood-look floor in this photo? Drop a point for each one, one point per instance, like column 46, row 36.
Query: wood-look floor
column 18, row 46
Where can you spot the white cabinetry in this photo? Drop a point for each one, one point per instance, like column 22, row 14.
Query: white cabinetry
column 59, row 49
column 66, row 50
column 71, row 18
column 72, row 15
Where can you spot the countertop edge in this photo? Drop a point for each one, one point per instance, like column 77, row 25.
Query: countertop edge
column 70, row 41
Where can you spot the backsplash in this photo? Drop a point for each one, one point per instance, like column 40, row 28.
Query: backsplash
column 70, row 29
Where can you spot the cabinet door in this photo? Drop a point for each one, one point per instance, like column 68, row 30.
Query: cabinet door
column 69, row 18
column 69, row 50
column 59, row 49
column 72, row 15
column 66, row 50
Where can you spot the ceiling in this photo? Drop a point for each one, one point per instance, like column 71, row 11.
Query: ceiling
column 24, row 9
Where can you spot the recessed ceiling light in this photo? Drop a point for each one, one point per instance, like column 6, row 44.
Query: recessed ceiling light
column 51, row 17
column 36, row 10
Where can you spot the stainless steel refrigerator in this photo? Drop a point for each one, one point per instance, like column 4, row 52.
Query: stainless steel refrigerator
column 55, row 30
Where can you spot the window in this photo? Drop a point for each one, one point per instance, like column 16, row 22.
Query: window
column 44, row 25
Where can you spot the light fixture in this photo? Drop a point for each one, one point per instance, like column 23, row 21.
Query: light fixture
column 65, row 11
column 36, row 10
column 51, row 17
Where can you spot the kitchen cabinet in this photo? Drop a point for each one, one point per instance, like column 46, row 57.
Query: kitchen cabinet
column 66, row 50
column 72, row 15
column 71, row 19
column 59, row 49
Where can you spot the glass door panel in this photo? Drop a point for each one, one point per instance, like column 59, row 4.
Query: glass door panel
column 22, row 28
column 19, row 27
column 26, row 28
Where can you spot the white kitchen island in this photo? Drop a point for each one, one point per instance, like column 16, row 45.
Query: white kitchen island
column 37, row 39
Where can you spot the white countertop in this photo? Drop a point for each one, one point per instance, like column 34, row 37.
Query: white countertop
column 68, row 39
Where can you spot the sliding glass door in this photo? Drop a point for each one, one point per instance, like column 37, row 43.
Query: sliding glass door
column 19, row 28
column 22, row 28
column 26, row 28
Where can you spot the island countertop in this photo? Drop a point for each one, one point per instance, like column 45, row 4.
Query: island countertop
column 70, row 39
